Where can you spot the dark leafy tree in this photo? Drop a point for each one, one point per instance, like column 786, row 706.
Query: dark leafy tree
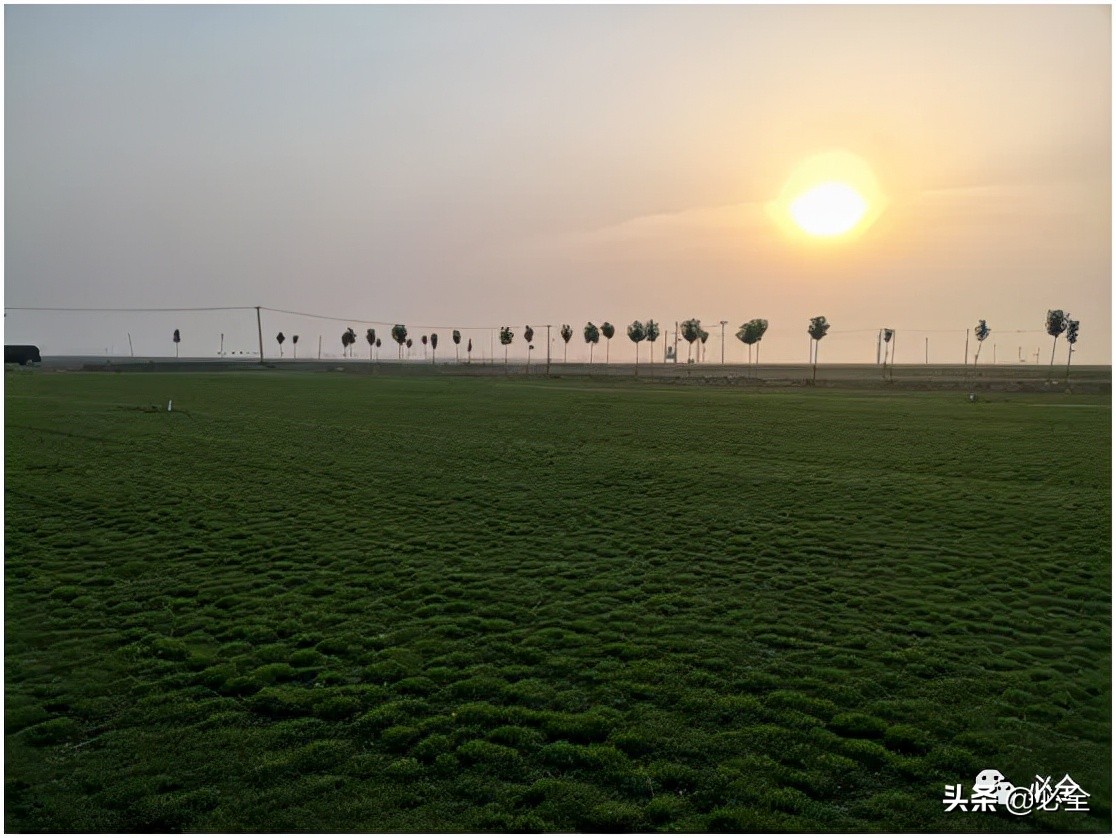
column 294, row 345
column 528, row 334
column 608, row 330
column 592, row 337
column 981, row 331
column 410, row 343
column 637, row 333
column 433, row 348
column 370, row 336
column 1056, row 323
column 889, row 343
column 566, row 332
column 506, row 337
column 348, row 338
column 750, row 334
column 818, row 328
column 1071, row 338
column 691, row 331
column 456, row 343
column 652, row 329
column 280, row 338
column 177, row 339
column 399, row 335
column 469, row 351
column 704, row 336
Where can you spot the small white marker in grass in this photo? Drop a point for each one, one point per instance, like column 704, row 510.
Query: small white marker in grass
column 170, row 405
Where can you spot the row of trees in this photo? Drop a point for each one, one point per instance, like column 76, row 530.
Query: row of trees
column 751, row 333
column 1058, row 323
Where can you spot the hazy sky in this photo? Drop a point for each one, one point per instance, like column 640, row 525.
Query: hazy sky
column 476, row 166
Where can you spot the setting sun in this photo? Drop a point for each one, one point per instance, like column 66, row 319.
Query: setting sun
column 829, row 197
column 829, row 209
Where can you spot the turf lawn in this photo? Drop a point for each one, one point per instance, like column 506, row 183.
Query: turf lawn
column 322, row 601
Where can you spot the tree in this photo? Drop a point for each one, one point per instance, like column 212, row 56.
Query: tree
column 280, row 338
column 818, row 328
column 592, row 337
column 1056, row 323
column 469, row 352
column 528, row 334
column 456, row 343
column 1071, row 339
column 176, row 338
column 370, row 336
column 750, row 334
column 608, row 330
column 348, row 338
column 691, row 331
column 410, row 343
column 704, row 337
column 433, row 348
column 294, row 344
column 379, row 343
column 399, row 335
column 506, row 337
column 566, row 333
column 637, row 332
column 652, row 329
column 981, row 331
column 887, row 335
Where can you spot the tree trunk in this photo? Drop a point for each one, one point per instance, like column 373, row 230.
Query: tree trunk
column 815, row 379
column 590, row 353
column 608, row 345
column 564, row 348
column 1052, row 351
column 637, row 360
column 1069, row 358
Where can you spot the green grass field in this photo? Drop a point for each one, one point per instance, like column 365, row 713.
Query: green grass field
column 321, row 601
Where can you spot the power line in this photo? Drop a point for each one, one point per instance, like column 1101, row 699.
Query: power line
column 56, row 308
column 372, row 322
column 422, row 326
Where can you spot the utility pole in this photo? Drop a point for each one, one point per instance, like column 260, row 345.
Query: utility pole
column 927, row 350
column 723, row 322
column 676, row 341
column 130, row 351
column 259, row 329
column 548, row 350
column 879, row 343
column 966, row 347
column 319, row 347
column 993, row 354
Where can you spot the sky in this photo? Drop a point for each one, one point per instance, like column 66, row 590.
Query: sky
column 471, row 167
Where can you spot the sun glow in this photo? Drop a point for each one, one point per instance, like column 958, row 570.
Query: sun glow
column 830, row 197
